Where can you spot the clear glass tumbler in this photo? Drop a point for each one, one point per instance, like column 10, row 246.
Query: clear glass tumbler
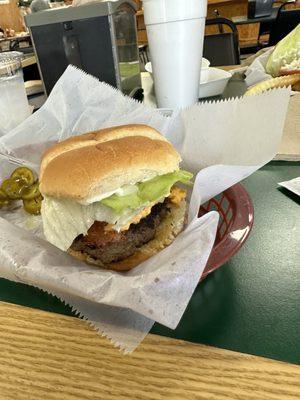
column 14, row 106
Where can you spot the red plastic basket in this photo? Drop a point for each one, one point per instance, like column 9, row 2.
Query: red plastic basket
column 236, row 219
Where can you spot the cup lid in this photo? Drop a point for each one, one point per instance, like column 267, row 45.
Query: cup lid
column 10, row 62
column 163, row 11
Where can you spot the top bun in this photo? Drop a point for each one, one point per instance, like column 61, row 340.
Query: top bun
column 85, row 167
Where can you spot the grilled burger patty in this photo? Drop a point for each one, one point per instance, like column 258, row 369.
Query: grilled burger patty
column 111, row 246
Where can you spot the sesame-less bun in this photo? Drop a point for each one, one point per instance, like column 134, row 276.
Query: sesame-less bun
column 166, row 232
column 85, row 167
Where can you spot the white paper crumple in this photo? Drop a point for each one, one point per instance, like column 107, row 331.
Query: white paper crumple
column 254, row 67
column 226, row 140
column 293, row 185
column 256, row 72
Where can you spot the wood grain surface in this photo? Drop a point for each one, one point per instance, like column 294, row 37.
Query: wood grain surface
column 26, row 62
column 50, row 356
column 10, row 16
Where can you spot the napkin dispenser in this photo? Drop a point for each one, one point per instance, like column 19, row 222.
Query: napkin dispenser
column 259, row 8
column 100, row 38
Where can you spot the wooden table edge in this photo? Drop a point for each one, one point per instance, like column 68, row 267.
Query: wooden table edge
column 42, row 352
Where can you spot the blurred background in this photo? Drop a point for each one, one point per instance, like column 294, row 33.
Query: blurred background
column 252, row 34
column 235, row 31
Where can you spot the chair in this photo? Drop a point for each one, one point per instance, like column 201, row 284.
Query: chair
column 285, row 22
column 143, row 56
column 222, row 48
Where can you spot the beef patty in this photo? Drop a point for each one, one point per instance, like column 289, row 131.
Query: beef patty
column 111, row 246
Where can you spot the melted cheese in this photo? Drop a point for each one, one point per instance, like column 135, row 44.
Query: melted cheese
column 135, row 220
column 177, row 195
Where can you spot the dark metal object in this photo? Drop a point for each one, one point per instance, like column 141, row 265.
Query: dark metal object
column 222, row 48
column 259, row 8
column 285, row 22
column 100, row 38
column 217, row 15
column 143, row 55
column 243, row 19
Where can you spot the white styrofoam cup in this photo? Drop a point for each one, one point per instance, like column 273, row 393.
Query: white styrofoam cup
column 175, row 30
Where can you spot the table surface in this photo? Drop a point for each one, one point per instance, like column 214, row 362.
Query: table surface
column 251, row 304
column 50, row 356
column 28, row 60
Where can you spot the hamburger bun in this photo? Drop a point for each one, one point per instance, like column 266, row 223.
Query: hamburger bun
column 85, row 167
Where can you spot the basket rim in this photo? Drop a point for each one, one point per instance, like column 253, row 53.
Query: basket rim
column 240, row 228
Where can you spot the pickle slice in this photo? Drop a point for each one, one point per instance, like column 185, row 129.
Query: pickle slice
column 4, row 203
column 31, row 192
column 13, row 188
column 22, row 186
column 3, row 196
column 24, row 174
column 33, row 206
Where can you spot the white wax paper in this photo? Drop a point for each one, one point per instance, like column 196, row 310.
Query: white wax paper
column 254, row 67
column 226, row 140
column 256, row 72
column 293, row 185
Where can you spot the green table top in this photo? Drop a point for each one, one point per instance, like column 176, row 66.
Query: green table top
column 251, row 304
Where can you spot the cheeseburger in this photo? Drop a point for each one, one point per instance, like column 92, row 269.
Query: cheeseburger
column 110, row 196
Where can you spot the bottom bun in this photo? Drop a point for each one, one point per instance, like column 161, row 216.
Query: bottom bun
column 166, row 232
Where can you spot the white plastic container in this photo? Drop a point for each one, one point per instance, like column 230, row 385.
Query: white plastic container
column 14, row 106
column 204, row 72
column 215, row 84
column 175, row 30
